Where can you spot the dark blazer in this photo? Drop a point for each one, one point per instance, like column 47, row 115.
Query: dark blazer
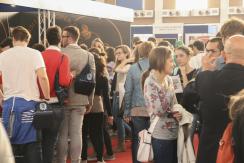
column 214, row 89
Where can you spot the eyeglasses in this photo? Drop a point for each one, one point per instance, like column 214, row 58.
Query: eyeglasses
column 65, row 36
column 211, row 51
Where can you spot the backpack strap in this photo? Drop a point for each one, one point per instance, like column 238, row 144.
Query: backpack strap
column 61, row 61
column 138, row 64
column 88, row 58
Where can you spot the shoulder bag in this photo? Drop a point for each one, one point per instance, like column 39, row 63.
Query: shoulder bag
column 145, row 150
column 85, row 82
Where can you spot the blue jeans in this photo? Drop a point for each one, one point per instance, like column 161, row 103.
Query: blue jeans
column 120, row 123
column 165, row 151
column 137, row 124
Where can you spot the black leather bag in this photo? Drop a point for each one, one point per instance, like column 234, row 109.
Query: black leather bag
column 48, row 116
column 61, row 92
column 85, row 82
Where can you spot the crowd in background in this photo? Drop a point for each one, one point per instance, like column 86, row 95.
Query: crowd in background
column 133, row 87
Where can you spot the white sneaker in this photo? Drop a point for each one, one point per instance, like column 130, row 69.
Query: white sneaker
column 101, row 161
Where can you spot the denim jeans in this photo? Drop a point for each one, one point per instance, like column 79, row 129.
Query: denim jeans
column 120, row 123
column 137, row 124
column 165, row 151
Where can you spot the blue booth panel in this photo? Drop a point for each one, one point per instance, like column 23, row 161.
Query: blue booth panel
column 133, row 4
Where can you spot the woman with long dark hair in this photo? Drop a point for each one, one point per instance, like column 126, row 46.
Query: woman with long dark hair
column 93, row 121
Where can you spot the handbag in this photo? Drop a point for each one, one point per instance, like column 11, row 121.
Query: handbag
column 61, row 92
column 85, row 82
column 145, row 150
column 47, row 116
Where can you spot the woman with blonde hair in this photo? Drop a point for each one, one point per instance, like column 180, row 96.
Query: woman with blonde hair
column 122, row 66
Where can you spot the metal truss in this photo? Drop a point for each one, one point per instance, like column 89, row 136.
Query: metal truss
column 45, row 20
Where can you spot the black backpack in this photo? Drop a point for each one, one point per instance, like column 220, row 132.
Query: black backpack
column 85, row 82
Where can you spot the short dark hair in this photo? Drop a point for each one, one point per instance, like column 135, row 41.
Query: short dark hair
column 135, row 39
column 110, row 53
column 84, row 46
column 6, row 42
column 199, row 45
column 219, row 41
column 39, row 47
column 164, row 43
column 152, row 39
column 54, row 35
column 73, row 32
column 20, row 33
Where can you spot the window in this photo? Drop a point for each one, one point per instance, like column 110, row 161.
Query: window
column 191, row 4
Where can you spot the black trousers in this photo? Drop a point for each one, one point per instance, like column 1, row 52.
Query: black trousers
column 27, row 153
column 107, row 138
column 49, row 139
column 93, row 125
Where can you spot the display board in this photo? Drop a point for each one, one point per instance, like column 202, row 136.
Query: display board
column 191, row 37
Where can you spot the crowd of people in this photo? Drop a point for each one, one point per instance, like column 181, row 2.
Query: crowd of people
column 134, row 87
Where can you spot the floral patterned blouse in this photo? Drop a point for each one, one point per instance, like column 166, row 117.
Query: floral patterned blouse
column 160, row 99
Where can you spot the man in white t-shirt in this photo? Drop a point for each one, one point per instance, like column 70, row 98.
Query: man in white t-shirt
column 198, row 52
column 21, row 67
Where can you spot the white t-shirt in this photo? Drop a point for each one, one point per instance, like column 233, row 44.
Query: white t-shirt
column 18, row 66
column 196, row 61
